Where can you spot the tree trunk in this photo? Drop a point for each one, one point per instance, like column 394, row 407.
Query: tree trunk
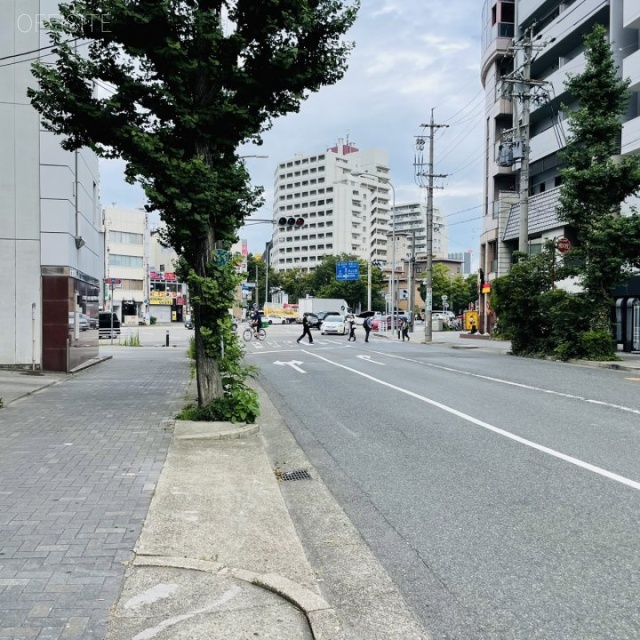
column 208, row 378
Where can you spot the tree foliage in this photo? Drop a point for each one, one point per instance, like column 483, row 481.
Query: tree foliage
column 596, row 180
column 173, row 87
column 543, row 320
column 460, row 291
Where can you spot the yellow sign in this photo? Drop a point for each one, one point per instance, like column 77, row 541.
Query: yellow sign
column 163, row 300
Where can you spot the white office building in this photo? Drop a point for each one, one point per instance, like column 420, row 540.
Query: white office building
column 51, row 245
column 410, row 220
column 341, row 212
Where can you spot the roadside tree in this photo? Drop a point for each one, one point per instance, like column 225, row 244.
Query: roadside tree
column 173, row 87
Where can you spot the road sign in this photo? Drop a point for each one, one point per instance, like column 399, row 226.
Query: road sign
column 113, row 280
column 563, row 245
column 347, row 271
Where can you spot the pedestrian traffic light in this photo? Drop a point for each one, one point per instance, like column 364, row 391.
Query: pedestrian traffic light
column 404, row 294
column 291, row 222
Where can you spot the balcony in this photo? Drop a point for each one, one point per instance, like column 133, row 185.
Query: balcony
column 545, row 144
column 631, row 70
column 631, row 15
column 631, row 136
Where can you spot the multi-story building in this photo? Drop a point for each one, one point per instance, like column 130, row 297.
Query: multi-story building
column 464, row 257
column 342, row 212
column 140, row 270
column 51, row 246
column 558, row 28
column 126, row 256
column 411, row 219
column 168, row 298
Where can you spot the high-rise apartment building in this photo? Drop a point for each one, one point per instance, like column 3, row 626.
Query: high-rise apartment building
column 465, row 257
column 51, row 245
column 342, row 212
column 557, row 28
column 410, row 220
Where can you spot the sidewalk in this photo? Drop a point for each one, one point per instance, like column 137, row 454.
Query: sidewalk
column 193, row 541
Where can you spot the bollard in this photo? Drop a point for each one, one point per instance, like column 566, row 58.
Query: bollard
column 166, row 344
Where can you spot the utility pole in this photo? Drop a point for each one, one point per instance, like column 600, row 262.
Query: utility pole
column 412, row 264
column 426, row 180
column 521, row 86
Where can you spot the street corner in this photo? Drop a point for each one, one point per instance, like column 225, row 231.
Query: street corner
column 162, row 602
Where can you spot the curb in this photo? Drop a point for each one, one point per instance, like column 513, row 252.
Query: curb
column 201, row 430
column 322, row 619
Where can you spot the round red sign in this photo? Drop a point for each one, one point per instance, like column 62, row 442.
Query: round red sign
column 563, row 245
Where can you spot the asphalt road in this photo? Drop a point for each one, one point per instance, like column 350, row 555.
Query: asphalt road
column 500, row 494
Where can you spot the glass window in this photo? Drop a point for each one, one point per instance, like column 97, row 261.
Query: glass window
column 117, row 260
column 122, row 237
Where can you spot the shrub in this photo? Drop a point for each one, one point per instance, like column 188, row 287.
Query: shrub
column 152, row 319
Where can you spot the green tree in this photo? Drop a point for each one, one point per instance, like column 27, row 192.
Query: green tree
column 186, row 86
column 323, row 283
column 459, row 291
column 295, row 282
column 596, row 181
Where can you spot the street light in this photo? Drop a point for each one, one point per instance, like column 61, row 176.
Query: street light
column 393, row 243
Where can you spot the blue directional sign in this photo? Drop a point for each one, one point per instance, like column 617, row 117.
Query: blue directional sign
column 347, row 270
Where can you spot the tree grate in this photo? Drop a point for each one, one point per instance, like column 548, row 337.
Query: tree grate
column 298, row 474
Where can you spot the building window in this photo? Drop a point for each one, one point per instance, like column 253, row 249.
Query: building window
column 117, row 260
column 122, row 237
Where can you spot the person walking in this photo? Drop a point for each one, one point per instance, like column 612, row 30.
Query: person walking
column 352, row 328
column 367, row 328
column 404, row 328
column 306, row 330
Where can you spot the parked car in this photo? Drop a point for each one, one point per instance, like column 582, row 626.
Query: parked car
column 93, row 322
column 188, row 324
column 108, row 325
column 83, row 323
column 323, row 314
column 333, row 324
column 384, row 322
column 274, row 319
column 314, row 321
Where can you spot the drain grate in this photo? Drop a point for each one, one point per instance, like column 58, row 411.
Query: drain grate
column 298, row 474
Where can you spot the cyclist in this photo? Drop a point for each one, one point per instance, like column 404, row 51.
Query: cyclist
column 256, row 322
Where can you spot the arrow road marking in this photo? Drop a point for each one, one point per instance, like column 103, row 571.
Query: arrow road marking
column 368, row 359
column 292, row 363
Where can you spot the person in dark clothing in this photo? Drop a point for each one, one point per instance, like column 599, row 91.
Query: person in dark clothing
column 404, row 328
column 352, row 329
column 306, row 330
column 367, row 328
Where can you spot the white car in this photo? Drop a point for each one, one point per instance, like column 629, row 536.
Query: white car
column 274, row 319
column 333, row 324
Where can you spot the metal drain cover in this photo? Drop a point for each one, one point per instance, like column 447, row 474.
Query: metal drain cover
column 298, row 474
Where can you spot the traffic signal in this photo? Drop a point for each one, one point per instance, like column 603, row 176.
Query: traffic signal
column 404, row 294
column 291, row 222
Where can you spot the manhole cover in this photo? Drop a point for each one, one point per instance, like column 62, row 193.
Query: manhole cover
column 298, row 474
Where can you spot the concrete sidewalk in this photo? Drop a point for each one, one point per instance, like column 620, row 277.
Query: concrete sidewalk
column 219, row 557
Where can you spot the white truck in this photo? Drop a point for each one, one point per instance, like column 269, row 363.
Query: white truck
column 315, row 305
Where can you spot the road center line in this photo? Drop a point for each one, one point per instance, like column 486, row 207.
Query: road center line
column 485, row 425
column 514, row 384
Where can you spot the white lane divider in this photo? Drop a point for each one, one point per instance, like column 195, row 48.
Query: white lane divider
column 485, row 425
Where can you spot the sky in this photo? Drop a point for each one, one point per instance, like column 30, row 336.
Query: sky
column 409, row 58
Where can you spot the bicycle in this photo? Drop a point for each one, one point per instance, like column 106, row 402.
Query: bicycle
column 250, row 333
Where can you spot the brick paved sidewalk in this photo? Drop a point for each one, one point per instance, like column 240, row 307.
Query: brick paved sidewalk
column 78, row 466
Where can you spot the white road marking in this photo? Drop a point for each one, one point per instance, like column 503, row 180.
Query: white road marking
column 368, row 359
column 515, row 384
column 485, row 425
column 292, row 363
column 159, row 592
